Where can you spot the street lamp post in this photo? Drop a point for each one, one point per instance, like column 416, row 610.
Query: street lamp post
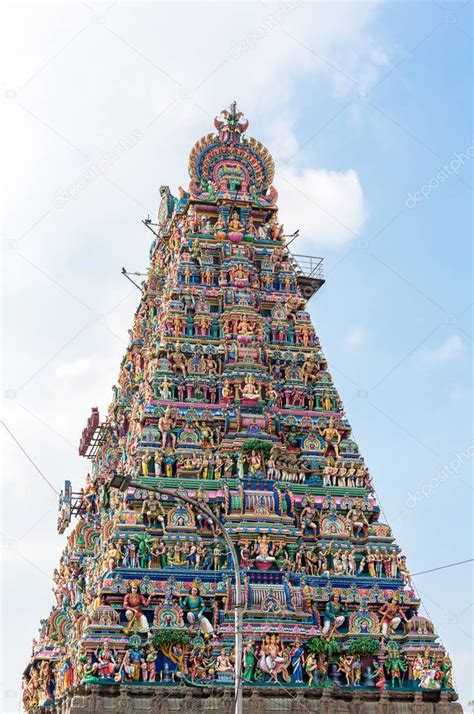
column 123, row 483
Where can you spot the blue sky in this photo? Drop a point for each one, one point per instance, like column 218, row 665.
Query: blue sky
column 361, row 104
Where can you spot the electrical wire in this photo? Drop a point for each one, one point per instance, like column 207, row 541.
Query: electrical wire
column 29, row 458
column 442, row 567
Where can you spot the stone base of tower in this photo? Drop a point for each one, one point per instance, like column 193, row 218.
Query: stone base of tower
column 103, row 699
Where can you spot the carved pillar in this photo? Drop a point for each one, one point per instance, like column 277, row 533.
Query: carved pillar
column 356, row 705
column 244, row 216
column 227, row 706
column 121, row 703
column 189, row 702
column 384, row 703
column 254, row 703
column 419, row 707
column 224, row 211
column 328, row 705
column 298, row 704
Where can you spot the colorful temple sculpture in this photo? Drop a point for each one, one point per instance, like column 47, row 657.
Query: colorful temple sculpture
column 224, row 396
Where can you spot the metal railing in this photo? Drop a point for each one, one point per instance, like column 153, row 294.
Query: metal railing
column 308, row 266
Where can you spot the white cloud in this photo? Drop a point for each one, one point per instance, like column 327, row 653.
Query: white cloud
column 282, row 138
column 75, row 368
column 449, row 350
column 356, row 336
column 327, row 206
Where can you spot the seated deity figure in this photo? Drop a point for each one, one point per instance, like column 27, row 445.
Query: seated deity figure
column 203, row 520
column 194, row 606
column 250, row 391
column 255, row 464
column 153, row 512
column 235, row 229
column 113, row 555
column 219, row 228
column 224, row 663
column 179, row 363
column 89, row 496
column 334, row 615
column 264, row 550
column 133, row 603
column 192, row 221
column 234, row 223
column 251, row 228
column 275, row 230
column 106, row 660
column 245, row 331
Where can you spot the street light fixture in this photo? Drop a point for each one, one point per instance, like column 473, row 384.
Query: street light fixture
column 121, row 482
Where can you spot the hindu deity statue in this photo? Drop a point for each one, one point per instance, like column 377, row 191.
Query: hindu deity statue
column 194, row 606
column 297, row 661
column 153, row 512
column 311, row 667
column 224, row 663
column 133, row 604
column 245, row 331
column 255, row 464
column 250, row 660
column 310, row 368
column 106, row 661
column 165, row 425
column 335, row 615
column 220, row 228
column 309, row 517
column 251, row 391
column 133, row 666
column 227, row 392
column 150, row 659
column 264, row 550
column 358, row 521
column 235, row 228
column 274, row 659
column 392, row 615
column 395, row 664
column 332, row 438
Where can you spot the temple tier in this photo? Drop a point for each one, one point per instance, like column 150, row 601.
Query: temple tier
column 224, row 395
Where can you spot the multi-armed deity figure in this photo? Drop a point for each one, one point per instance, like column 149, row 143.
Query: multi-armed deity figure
column 224, row 395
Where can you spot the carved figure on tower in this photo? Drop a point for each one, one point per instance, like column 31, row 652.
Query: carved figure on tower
column 133, row 604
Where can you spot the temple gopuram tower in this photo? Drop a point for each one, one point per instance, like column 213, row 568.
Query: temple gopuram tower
column 225, row 404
